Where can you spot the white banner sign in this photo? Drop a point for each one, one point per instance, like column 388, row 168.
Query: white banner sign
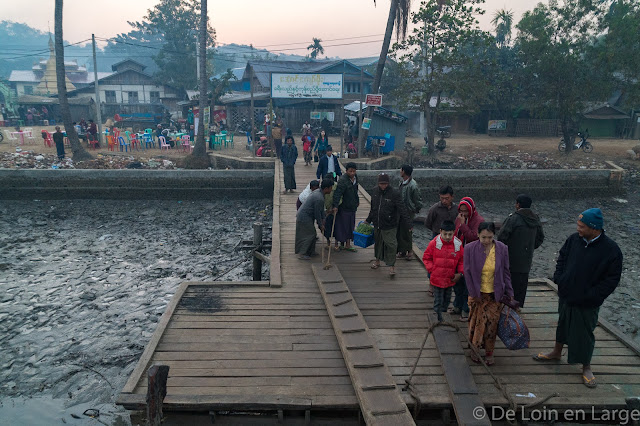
column 306, row 86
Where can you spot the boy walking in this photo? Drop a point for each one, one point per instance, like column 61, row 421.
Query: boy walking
column 443, row 258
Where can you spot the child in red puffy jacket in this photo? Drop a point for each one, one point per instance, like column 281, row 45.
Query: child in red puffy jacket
column 443, row 258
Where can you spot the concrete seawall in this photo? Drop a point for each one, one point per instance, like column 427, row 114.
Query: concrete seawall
column 135, row 184
column 507, row 184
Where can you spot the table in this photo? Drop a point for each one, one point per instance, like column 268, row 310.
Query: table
column 21, row 133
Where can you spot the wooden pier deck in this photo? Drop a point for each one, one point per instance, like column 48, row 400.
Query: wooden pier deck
column 265, row 348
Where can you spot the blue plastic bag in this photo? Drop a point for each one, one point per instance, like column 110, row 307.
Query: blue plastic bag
column 512, row 330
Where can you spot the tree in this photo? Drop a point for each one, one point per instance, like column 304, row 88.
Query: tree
column 175, row 22
column 399, row 11
column 559, row 72
column 316, row 48
column 444, row 59
column 502, row 22
column 200, row 149
column 619, row 49
column 79, row 153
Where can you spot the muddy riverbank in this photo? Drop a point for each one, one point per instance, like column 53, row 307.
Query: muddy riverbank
column 83, row 284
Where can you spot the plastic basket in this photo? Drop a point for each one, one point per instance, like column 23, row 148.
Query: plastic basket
column 362, row 240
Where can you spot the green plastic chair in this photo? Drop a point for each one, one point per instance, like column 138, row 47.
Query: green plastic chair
column 228, row 140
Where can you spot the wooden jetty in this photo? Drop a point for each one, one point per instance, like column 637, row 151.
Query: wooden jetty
column 313, row 344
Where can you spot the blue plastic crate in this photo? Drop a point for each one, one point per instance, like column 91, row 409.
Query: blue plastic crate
column 362, row 240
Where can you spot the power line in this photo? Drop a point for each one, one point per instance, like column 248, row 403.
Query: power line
column 43, row 51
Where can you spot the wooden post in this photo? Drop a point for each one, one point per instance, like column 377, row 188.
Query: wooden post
column 253, row 114
column 156, row 391
column 257, row 242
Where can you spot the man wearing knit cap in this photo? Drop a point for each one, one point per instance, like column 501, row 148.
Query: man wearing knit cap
column 587, row 271
column 387, row 210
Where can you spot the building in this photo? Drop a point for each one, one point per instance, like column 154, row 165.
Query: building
column 41, row 80
column 132, row 93
column 294, row 112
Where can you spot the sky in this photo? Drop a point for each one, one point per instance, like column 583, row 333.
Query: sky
column 348, row 28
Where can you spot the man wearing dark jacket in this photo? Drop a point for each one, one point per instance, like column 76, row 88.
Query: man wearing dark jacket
column 522, row 233
column 345, row 204
column 588, row 270
column 387, row 210
column 328, row 164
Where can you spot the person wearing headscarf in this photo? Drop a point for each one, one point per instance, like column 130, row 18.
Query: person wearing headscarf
column 588, row 270
column 467, row 223
column 288, row 156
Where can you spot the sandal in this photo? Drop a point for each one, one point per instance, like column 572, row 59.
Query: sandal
column 400, row 256
column 464, row 318
column 351, row 249
column 590, row 383
column 392, row 274
column 544, row 358
column 475, row 358
column 489, row 360
column 375, row 265
column 455, row 311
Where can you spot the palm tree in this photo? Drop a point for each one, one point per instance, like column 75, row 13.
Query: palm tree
column 316, row 48
column 79, row 153
column 199, row 158
column 502, row 22
column 398, row 15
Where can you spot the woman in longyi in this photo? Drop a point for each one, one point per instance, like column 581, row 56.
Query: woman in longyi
column 486, row 271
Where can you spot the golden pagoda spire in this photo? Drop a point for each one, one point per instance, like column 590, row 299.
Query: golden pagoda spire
column 49, row 83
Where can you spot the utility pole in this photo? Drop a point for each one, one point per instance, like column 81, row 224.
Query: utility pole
column 95, row 80
column 341, row 122
column 361, row 141
column 253, row 114
column 197, row 62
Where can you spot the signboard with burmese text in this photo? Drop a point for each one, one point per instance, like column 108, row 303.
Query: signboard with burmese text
column 306, row 86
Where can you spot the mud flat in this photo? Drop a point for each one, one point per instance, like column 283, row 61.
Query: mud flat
column 83, row 283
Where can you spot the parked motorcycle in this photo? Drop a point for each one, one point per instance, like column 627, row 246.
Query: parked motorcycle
column 583, row 144
column 444, row 131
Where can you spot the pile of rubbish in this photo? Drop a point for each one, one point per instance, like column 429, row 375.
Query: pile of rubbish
column 23, row 159
column 516, row 160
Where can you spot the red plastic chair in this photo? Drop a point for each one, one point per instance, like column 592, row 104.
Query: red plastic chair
column 47, row 138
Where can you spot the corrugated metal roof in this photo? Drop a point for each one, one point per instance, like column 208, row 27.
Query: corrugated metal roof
column 28, row 76
column 263, row 69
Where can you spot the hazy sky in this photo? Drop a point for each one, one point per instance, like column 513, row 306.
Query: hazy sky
column 355, row 26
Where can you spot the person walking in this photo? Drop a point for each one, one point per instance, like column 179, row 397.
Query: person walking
column 413, row 203
column 307, row 146
column 467, row 223
column 328, row 164
column 58, row 138
column 588, row 270
column 312, row 210
column 345, row 206
column 288, row 158
column 276, row 134
column 445, row 209
column 487, row 278
column 321, row 144
column 443, row 259
column 387, row 210
column 522, row 233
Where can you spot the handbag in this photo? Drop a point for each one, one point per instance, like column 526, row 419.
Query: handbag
column 315, row 158
column 512, row 330
column 509, row 301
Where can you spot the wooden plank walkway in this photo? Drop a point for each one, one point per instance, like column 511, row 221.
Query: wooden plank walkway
column 379, row 398
column 255, row 347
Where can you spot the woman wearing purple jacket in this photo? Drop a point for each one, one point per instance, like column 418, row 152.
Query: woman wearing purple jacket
column 486, row 272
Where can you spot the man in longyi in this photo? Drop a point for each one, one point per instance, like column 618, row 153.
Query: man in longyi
column 588, row 270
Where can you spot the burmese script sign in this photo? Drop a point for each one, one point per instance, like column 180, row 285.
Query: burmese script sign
column 306, row 86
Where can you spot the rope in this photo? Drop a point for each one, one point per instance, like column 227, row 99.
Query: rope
column 498, row 383
column 234, row 266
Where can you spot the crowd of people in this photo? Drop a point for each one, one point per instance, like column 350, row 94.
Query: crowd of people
column 484, row 267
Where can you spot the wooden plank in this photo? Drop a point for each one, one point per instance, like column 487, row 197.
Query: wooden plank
column 141, row 366
column 373, row 384
column 606, row 325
